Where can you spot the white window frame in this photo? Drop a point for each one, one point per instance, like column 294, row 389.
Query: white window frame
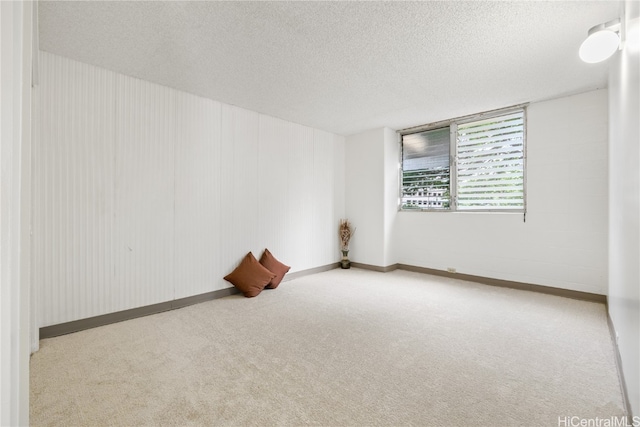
column 452, row 124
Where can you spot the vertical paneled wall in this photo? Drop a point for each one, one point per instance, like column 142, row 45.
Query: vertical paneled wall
column 198, row 194
column 144, row 194
column 73, row 190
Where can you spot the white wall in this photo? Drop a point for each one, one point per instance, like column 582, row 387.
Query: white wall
column 563, row 242
column 372, row 194
column 391, row 193
column 624, row 208
column 144, row 194
column 364, row 176
column 15, row 122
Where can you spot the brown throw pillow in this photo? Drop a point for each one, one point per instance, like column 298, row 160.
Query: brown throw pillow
column 275, row 266
column 250, row 277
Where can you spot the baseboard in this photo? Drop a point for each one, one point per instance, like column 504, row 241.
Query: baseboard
column 297, row 274
column 618, row 359
column 119, row 316
column 105, row 319
column 567, row 293
column 375, row 267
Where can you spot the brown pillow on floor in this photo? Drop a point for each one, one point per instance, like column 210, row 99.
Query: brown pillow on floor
column 250, row 277
column 272, row 264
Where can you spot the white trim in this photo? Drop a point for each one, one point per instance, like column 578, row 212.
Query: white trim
column 15, row 28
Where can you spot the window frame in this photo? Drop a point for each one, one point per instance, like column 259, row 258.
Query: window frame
column 452, row 124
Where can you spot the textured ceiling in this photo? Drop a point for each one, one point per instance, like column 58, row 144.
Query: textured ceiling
column 344, row 67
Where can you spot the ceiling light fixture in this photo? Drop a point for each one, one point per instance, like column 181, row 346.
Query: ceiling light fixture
column 602, row 41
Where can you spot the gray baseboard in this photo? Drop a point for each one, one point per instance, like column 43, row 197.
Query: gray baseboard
column 618, row 358
column 119, row 316
column 567, row 293
column 375, row 267
column 105, row 319
column 295, row 275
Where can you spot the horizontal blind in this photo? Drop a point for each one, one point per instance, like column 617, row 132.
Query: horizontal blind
column 490, row 163
column 426, row 170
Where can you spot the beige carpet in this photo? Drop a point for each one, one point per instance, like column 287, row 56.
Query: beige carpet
column 344, row 347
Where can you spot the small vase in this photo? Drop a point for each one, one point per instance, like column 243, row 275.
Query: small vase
column 344, row 262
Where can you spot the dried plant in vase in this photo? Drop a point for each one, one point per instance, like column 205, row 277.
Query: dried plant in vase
column 345, row 231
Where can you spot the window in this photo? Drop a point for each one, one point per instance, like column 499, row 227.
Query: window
column 469, row 164
column 426, row 169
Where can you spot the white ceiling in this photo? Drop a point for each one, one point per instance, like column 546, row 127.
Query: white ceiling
column 343, row 67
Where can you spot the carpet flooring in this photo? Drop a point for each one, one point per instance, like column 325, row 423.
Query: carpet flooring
column 339, row 348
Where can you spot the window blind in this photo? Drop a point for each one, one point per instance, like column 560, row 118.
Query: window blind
column 426, row 170
column 490, row 163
